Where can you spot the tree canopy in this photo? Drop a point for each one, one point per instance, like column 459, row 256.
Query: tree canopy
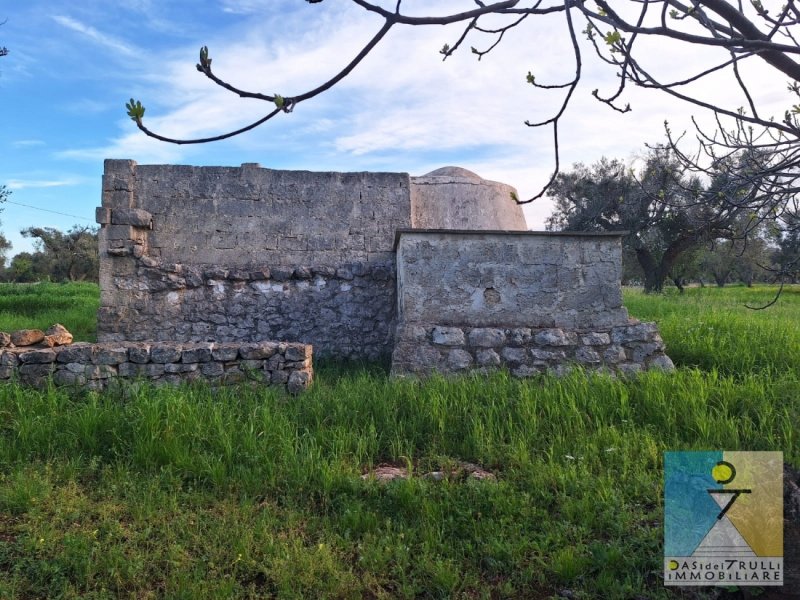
column 656, row 207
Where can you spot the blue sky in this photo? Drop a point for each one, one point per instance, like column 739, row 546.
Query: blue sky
column 72, row 66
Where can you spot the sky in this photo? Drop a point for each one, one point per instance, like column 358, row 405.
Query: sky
column 72, row 67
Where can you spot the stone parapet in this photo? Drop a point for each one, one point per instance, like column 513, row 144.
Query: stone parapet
column 96, row 366
column 525, row 351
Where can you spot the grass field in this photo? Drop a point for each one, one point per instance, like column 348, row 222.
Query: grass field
column 241, row 493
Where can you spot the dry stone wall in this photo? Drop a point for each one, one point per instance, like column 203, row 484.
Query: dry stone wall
column 245, row 254
column 530, row 302
column 96, row 366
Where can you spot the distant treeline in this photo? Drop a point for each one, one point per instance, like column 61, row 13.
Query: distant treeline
column 57, row 256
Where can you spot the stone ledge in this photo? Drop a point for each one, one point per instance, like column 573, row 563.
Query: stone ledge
column 624, row 349
column 94, row 366
column 155, row 275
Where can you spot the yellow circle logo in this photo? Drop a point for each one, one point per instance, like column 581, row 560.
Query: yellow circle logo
column 673, row 564
column 723, row 472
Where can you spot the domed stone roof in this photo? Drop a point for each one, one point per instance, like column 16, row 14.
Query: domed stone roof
column 454, row 172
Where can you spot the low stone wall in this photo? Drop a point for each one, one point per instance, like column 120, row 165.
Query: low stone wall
column 95, row 366
column 533, row 302
column 625, row 349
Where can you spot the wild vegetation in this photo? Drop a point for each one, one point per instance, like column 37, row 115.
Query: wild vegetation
column 243, row 493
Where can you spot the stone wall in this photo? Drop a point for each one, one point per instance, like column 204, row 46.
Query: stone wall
column 95, row 366
column 531, row 302
column 525, row 351
column 244, row 254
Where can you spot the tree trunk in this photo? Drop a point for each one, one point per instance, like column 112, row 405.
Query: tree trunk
column 678, row 281
column 653, row 278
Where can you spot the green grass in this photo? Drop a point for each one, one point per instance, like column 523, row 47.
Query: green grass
column 712, row 328
column 245, row 493
column 40, row 305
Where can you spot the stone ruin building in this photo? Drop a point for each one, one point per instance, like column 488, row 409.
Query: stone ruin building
column 438, row 272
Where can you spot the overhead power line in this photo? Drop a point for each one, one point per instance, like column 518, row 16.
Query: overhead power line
column 50, row 211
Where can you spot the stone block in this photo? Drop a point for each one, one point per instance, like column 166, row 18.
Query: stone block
column 118, row 232
column 58, row 335
column 281, row 273
column 586, row 356
column 458, row 359
column 486, row 338
column 596, row 339
column 139, row 354
column 135, row 217
column 76, row 353
column 197, row 353
column 514, row 356
column 35, row 373
column 151, row 370
column 38, row 357
column 128, row 369
column 212, row 369
column 640, row 332
column 102, row 215
column 297, row 352
column 643, row 351
column 551, row 337
column 225, row 351
column 109, row 355
column 614, row 354
column 448, row 336
column 279, row 377
column 661, row 362
column 487, row 358
column 100, row 371
column 27, row 337
column 9, row 359
column 67, row 377
column 258, row 351
column 165, row 353
column 519, row 336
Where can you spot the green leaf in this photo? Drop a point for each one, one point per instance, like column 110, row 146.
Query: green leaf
column 530, row 78
column 279, row 101
column 135, row 110
column 445, row 49
column 612, row 37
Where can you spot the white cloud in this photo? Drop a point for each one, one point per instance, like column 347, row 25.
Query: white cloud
column 22, row 184
column 96, row 36
column 27, row 143
column 403, row 106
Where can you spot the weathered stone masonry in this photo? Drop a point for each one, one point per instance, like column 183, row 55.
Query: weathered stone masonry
column 96, row 366
column 530, row 302
column 247, row 254
column 217, row 254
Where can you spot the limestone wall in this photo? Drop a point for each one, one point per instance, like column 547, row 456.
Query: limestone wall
column 243, row 254
column 531, row 302
column 96, row 366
